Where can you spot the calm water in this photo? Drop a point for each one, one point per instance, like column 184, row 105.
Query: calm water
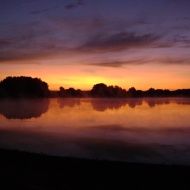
column 135, row 130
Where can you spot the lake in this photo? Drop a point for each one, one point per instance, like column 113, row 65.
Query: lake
column 146, row 130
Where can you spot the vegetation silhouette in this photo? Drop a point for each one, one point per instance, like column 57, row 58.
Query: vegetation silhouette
column 23, row 87
column 70, row 93
column 27, row 87
column 24, row 108
column 101, row 90
column 132, row 92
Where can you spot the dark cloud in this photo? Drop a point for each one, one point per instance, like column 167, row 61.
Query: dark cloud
column 39, row 11
column 80, row 2
column 22, row 51
column 163, row 45
column 107, row 64
column 70, row 6
column 19, row 55
column 181, row 39
column 141, row 61
column 74, row 5
column 119, row 63
column 118, row 42
column 176, row 61
column 5, row 42
column 182, row 28
column 184, row 18
column 8, row 45
column 143, row 21
column 29, row 41
column 18, row 33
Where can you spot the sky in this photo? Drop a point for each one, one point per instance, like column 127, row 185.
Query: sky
column 79, row 43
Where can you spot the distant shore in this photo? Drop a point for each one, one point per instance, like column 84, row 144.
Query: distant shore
column 28, row 87
column 22, row 170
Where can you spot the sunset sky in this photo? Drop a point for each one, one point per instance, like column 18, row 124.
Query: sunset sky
column 78, row 43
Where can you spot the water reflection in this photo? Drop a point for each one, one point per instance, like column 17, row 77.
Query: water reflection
column 152, row 102
column 136, row 130
column 23, row 109
column 70, row 102
column 104, row 104
column 157, row 101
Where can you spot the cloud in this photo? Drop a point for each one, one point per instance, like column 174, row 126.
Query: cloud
column 80, row 2
column 39, row 11
column 181, row 39
column 183, row 18
column 36, row 40
column 175, row 61
column 70, row 6
column 14, row 55
column 28, row 41
column 119, row 63
column 74, row 5
column 6, row 42
column 163, row 45
column 118, row 42
column 107, row 64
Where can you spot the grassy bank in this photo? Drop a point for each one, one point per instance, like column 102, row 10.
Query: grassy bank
column 21, row 170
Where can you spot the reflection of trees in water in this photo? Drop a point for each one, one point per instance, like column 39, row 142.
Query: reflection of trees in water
column 23, row 109
column 69, row 102
column 183, row 101
column 153, row 102
column 134, row 102
column 104, row 104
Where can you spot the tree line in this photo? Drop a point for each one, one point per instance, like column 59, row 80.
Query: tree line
column 21, row 87
column 102, row 90
column 28, row 87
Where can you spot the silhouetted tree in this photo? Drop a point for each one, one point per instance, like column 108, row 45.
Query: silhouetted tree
column 132, row 92
column 139, row 93
column 70, row 93
column 19, row 87
column 182, row 93
column 100, row 90
column 151, row 92
column 159, row 93
column 116, row 92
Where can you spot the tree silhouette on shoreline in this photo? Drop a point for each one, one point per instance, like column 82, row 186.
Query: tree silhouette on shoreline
column 69, row 93
column 23, row 87
column 27, row 87
column 102, row 90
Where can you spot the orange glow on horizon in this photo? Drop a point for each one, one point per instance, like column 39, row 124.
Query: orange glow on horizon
column 83, row 77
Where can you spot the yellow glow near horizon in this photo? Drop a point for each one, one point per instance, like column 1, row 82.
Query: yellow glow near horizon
column 83, row 77
column 81, row 82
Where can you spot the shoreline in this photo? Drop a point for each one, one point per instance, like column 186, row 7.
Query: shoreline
column 24, row 170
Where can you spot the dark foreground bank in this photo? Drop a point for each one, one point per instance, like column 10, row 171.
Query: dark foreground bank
column 21, row 170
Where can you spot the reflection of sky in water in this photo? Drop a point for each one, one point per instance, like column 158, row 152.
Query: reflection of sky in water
column 145, row 130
